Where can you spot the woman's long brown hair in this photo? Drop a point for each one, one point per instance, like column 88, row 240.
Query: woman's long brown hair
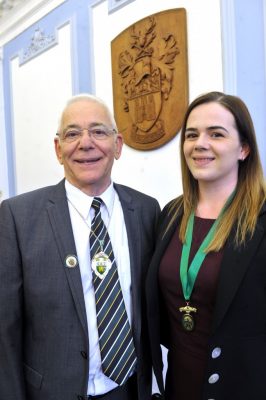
column 250, row 191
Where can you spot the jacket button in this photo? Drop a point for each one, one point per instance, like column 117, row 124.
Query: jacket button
column 216, row 352
column 213, row 378
column 84, row 354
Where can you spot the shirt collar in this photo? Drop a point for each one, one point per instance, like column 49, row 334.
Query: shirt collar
column 82, row 202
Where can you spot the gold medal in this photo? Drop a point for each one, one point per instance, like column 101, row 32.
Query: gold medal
column 187, row 320
column 101, row 264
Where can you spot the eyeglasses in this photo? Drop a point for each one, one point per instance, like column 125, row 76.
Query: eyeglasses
column 97, row 133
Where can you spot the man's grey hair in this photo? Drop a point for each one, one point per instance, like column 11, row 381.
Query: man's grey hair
column 90, row 98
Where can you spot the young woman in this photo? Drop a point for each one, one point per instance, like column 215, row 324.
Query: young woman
column 206, row 286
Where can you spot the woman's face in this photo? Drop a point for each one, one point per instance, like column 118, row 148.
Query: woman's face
column 212, row 146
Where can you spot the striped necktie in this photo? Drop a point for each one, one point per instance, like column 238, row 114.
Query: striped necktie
column 115, row 337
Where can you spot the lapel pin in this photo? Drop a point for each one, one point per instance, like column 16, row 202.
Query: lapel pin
column 71, row 261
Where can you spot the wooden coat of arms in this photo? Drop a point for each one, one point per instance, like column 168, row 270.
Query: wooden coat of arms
column 150, row 79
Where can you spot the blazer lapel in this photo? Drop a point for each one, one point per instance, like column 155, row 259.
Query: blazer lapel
column 163, row 238
column 59, row 217
column 233, row 269
column 132, row 220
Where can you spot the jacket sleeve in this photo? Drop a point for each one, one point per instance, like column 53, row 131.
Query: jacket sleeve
column 11, row 309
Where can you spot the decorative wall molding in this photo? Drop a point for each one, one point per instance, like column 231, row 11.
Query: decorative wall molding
column 39, row 42
column 114, row 5
column 18, row 15
column 229, row 46
column 264, row 13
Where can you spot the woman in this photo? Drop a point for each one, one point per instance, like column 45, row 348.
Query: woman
column 206, row 286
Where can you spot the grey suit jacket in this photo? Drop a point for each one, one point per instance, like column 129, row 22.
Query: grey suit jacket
column 43, row 329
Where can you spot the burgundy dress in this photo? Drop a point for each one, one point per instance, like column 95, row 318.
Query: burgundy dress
column 188, row 350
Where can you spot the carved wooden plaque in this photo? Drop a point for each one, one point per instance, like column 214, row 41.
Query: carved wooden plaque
column 150, row 79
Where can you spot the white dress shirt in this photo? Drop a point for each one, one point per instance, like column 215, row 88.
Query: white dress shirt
column 81, row 216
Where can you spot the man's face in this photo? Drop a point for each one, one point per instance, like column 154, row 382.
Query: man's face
column 87, row 161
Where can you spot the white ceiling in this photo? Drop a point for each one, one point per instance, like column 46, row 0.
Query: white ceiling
column 8, row 6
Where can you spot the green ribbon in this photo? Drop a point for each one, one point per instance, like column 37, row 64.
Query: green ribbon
column 188, row 274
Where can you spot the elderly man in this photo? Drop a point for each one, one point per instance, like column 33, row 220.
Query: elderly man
column 72, row 268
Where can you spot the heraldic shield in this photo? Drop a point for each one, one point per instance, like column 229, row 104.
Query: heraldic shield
column 150, row 79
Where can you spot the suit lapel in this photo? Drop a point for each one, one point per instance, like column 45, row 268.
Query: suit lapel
column 163, row 238
column 233, row 269
column 59, row 218
column 131, row 213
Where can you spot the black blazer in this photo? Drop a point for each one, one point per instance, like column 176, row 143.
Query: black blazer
column 43, row 323
column 239, row 320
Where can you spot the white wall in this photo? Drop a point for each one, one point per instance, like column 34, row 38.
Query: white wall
column 3, row 155
column 40, row 87
column 157, row 172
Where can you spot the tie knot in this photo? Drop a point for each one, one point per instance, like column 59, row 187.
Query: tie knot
column 96, row 203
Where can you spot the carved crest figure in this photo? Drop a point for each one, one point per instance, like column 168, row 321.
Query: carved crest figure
column 149, row 61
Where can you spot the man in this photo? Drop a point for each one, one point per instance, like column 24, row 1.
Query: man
column 56, row 245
